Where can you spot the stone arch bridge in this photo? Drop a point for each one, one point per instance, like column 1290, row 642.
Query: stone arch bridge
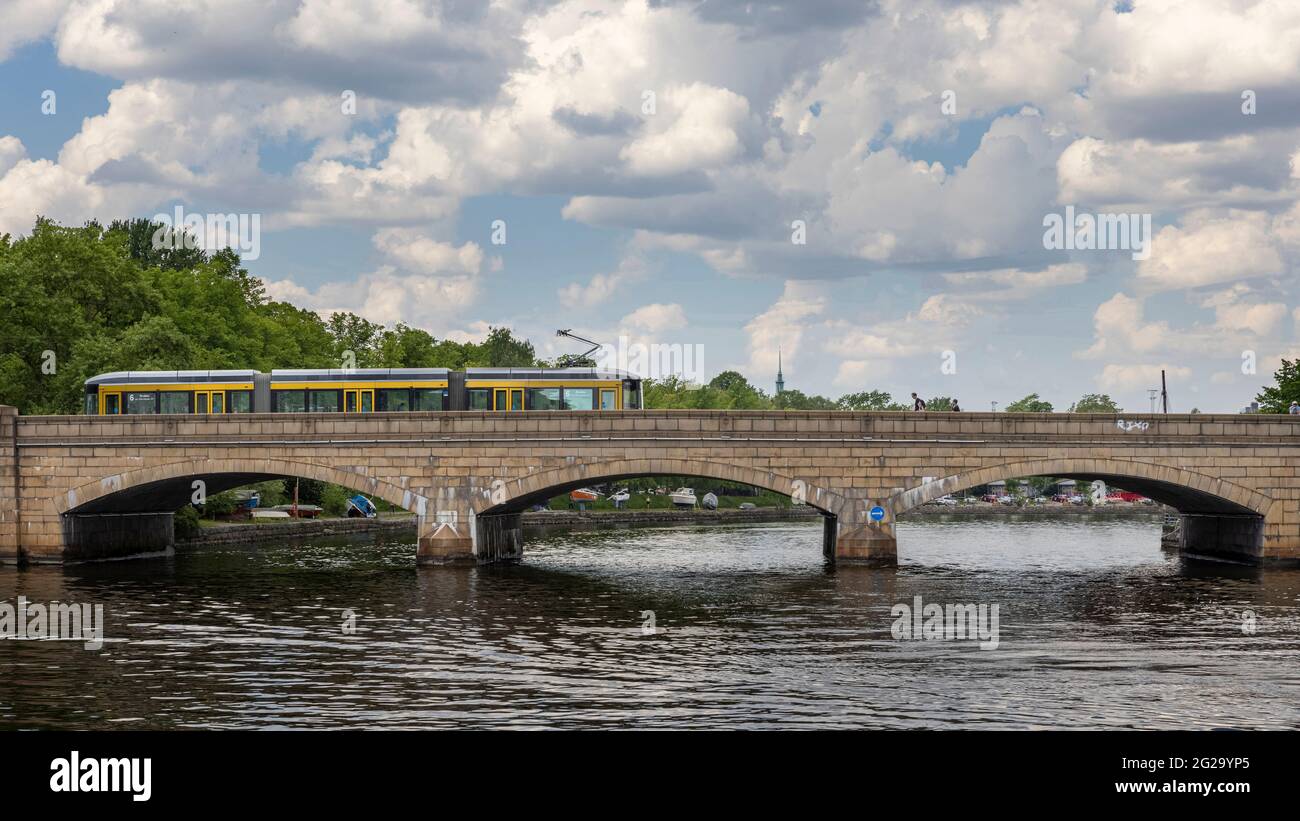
column 85, row 487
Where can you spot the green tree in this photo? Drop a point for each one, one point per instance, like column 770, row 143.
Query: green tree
column 868, row 401
column 1030, row 404
column 939, row 403
column 155, row 245
column 502, row 350
column 1095, row 403
column 310, row 491
column 1277, row 398
column 407, row 347
column 357, row 340
column 797, row 400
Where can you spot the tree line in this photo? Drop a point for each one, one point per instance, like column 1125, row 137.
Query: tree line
column 79, row 301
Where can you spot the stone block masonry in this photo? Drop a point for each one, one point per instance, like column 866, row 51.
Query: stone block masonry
column 77, row 487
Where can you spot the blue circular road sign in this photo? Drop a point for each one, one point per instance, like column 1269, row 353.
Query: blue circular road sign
column 877, row 513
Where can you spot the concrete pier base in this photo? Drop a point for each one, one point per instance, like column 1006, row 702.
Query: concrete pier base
column 869, row 545
column 113, row 535
column 444, row 545
column 1224, row 538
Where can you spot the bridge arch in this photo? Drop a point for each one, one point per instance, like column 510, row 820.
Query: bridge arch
column 1187, row 491
column 516, row 495
column 169, row 487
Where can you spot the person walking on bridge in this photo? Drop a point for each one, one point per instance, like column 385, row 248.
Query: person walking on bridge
column 956, row 408
column 918, row 404
column 1295, row 407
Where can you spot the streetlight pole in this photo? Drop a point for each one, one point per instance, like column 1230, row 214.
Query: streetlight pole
column 995, row 406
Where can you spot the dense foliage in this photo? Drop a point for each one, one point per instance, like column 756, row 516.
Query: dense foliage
column 1277, row 398
column 89, row 300
column 83, row 301
column 1030, row 404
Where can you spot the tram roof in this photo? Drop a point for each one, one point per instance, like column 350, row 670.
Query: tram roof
column 603, row 374
column 356, row 374
column 169, row 377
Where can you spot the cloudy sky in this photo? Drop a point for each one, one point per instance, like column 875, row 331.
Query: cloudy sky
column 862, row 185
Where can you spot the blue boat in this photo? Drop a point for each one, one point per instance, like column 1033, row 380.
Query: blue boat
column 361, row 507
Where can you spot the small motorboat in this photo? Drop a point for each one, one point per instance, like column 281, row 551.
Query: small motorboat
column 683, row 497
column 269, row 513
column 620, row 496
column 583, row 494
column 709, row 502
column 361, row 507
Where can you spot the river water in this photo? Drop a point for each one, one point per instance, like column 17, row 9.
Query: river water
column 1097, row 628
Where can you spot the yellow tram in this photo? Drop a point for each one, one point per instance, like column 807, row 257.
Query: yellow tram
column 361, row 390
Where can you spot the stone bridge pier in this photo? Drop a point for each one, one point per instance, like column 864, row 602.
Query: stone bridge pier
column 79, row 487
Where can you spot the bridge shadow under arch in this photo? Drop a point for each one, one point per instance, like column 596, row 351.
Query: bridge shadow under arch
column 499, row 526
column 131, row 512
column 517, row 495
column 1220, row 519
column 1183, row 490
column 170, row 487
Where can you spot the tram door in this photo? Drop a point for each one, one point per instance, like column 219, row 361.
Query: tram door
column 112, row 404
column 509, row 399
column 358, row 398
column 209, row 402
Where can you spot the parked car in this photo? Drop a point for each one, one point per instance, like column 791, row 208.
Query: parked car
column 1076, row 500
column 945, row 501
column 1007, row 500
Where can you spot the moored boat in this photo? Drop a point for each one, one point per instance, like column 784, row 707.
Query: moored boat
column 583, row 494
column 683, row 497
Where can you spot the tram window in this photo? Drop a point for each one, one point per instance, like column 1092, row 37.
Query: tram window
column 112, row 404
column 241, row 401
column 630, row 397
column 480, row 399
column 607, row 399
column 289, row 401
column 430, row 399
column 325, row 401
column 392, row 400
column 579, row 399
column 174, row 402
column 91, row 407
column 544, row 398
column 142, row 402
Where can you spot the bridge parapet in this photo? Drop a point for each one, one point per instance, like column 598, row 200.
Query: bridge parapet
column 889, row 427
column 452, row 468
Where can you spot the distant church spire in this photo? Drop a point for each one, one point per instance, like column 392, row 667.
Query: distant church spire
column 780, row 379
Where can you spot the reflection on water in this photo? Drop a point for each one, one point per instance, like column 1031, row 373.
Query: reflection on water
column 1099, row 628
